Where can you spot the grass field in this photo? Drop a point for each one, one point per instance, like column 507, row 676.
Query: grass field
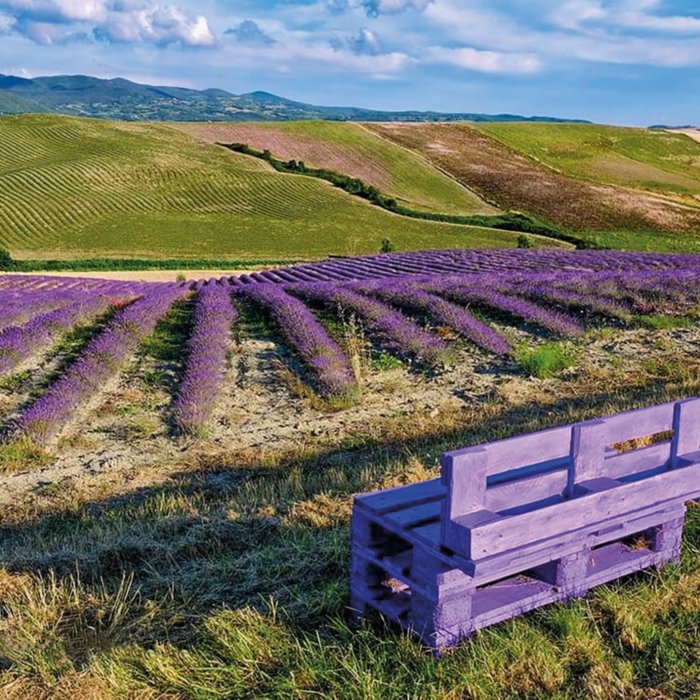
column 649, row 159
column 353, row 150
column 608, row 215
column 72, row 188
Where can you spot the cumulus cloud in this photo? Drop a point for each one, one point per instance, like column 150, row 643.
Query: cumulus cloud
column 365, row 43
column 60, row 21
column 618, row 31
column 623, row 14
column 375, row 8
column 249, row 32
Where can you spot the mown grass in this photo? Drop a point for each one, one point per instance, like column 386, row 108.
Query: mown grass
column 229, row 580
column 79, row 188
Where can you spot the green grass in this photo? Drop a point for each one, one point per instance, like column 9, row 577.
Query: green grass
column 645, row 158
column 663, row 322
column 230, row 580
column 545, row 360
column 355, row 151
column 76, row 188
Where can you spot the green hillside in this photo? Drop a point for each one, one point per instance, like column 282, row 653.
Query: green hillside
column 72, row 188
column 354, row 150
column 16, row 104
column 649, row 159
column 612, row 187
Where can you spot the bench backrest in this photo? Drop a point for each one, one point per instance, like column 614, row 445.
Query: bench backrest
column 488, row 485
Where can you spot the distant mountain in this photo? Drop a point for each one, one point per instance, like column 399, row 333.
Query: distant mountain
column 123, row 99
column 10, row 103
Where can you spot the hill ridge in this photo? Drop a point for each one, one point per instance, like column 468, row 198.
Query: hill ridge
column 124, row 99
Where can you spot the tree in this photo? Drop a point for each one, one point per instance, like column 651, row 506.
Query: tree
column 387, row 246
column 6, row 261
column 525, row 241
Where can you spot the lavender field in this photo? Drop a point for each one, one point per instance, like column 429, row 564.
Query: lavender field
column 179, row 461
column 415, row 307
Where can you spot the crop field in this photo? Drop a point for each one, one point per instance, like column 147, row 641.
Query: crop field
column 179, row 459
column 353, row 150
column 504, row 166
column 656, row 160
column 76, row 188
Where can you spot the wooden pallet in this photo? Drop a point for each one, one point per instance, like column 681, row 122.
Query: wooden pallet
column 494, row 537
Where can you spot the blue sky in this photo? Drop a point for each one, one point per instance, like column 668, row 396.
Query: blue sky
column 614, row 61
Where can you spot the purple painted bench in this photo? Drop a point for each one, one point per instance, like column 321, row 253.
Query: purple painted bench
column 519, row 523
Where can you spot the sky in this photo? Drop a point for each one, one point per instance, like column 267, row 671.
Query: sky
column 612, row 61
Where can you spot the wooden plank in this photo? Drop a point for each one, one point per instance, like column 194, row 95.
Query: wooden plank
column 623, row 464
column 632, row 425
column 402, row 496
column 587, row 453
column 464, row 475
column 564, row 518
column 686, row 429
column 522, row 450
column 413, row 516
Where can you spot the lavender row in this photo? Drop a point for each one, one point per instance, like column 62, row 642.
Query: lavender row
column 408, row 296
column 18, row 307
column 17, row 343
column 397, row 332
column 207, row 350
column 99, row 361
column 308, row 338
column 463, row 292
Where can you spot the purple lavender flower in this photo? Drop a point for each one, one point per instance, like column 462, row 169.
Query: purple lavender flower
column 207, row 347
column 100, row 360
column 408, row 296
column 399, row 333
column 308, row 337
column 17, row 343
column 466, row 292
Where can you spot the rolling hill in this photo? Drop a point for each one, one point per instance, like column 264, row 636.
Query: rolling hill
column 118, row 98
column 352, row 149
column 651, row 159
column 635, row 189
column 75, row 188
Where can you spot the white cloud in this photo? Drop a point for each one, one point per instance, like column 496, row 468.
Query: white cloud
column 623, row 14
column 365, row 42
column 250, row 32
column 484, row 61
column 581, row 29
column 56, row 21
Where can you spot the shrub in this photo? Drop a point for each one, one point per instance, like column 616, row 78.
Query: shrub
column 545, row 360
column 387, row 246
column 525, row 241
column 6, row 261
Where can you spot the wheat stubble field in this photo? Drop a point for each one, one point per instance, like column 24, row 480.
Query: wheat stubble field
column 178, row 458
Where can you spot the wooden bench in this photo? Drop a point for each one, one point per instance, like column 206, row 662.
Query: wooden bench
column 526, row 521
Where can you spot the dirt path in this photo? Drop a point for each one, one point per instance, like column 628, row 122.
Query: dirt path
column 149, row 275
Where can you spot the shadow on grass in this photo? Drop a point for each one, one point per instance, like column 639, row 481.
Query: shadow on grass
column 241, row 563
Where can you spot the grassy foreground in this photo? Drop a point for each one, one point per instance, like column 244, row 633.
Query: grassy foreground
column 229, row 579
